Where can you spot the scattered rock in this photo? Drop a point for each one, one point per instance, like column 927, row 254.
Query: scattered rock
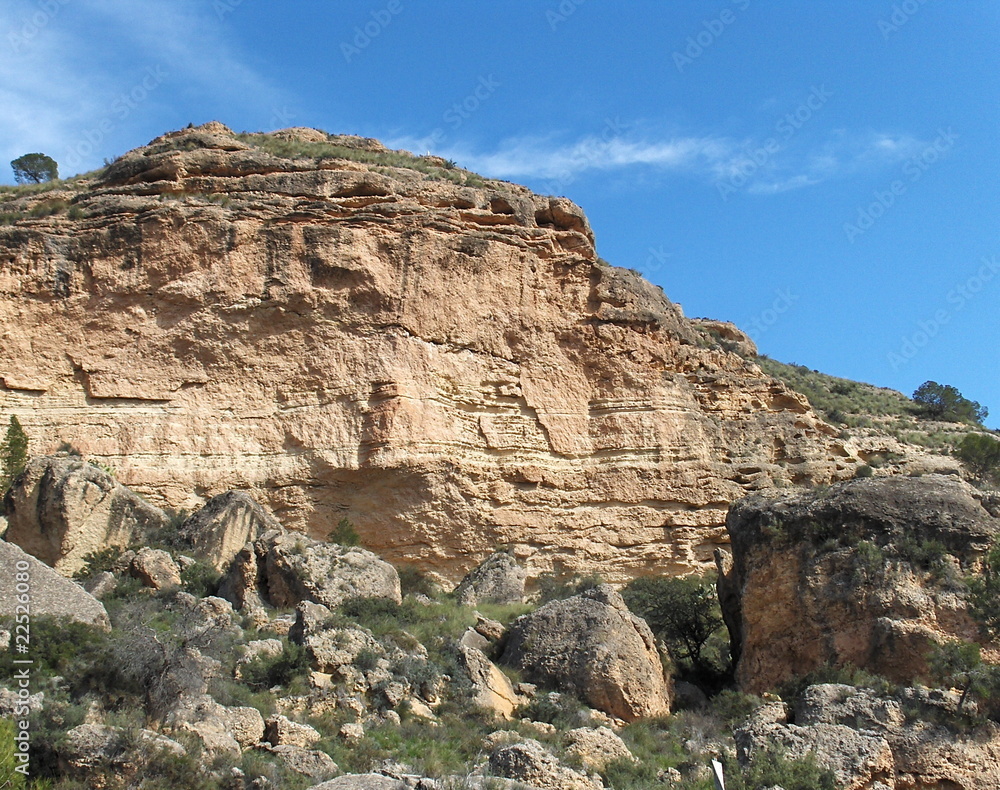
column 311, row 763
column 595, row 747
column 104, row 583
column 528, row 761
column 281, row 731
column 498, row 579
column 489, row 629
column 246, row 725
column 12, row 700
column 592, row 645
column 225, row 525
column 492, row 689
column 51, row 594
column 284, row 569
column 155, row 568
column 352, row 731
column 62, row 508
column 363, row 782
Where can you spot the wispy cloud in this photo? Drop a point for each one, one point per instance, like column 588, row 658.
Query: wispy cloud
column 712, row 158
column 68, row 86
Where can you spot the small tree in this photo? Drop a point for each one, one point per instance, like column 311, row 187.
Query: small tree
column 34, row 169
column 942, row 401
column 984, row 594
column 981, row 453
column 683, row 611
column 13, row 453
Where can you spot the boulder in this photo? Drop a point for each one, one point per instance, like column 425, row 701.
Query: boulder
column 528, row 761
column 282, row 731
column 498, row 579
column 310, row 763
column 363, row 782
column 62, row 508
column 245, row 724
column 155, row 568
column 491, row 688
column 284, row 569
column 104, row 583
column 595, row 747
column 807, row 596
column 89, row 750
column 593, row 646
column 858, row 759
column 210, row 722
column 48, row 593
column 219, row 530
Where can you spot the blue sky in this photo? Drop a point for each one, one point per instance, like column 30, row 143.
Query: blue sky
column 824, row 174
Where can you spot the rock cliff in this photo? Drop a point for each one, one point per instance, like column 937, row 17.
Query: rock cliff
column 342, row 330
column 866, row 574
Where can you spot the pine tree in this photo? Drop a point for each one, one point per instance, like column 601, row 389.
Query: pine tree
column 13, row 453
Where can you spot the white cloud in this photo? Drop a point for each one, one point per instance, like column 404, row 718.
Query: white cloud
column 71, row 71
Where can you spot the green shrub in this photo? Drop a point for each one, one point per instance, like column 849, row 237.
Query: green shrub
column 98, row 562
column 984, row 594
column 944, row 402
column 413, row 581
column 10, row 777
column 201, row 579
column 772, row 767
column 344, row 533
column 863, row 471
column 265, row 672
column 981, row 453
column 13, row 455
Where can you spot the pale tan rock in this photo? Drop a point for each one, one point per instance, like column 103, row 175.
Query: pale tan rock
column 492, row 689
column 497, row 579
column 593, row 646
column 448, row 365
column 528, row 761
column 225, row 525
column 312, row 763
column 352, row 731
column 49, row 593
column 280, row 730
column 62, row 508
column 595, row 747
column 245, row 724
column 155, row 568
column 808, row 599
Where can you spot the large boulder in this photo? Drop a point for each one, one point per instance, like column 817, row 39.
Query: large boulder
column 62, row 508
column 225, row 525
column 283, row 569
column 841, row 576
column 48, row 592
column 529, row 762
column 491, row 688
column 498, row 579
column 592, row 645
column 867, row 741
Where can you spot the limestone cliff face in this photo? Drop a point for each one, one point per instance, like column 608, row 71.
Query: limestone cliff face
column 845, row 576
column 448, row 365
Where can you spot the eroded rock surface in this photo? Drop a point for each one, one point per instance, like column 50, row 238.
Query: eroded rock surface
column 593, row 646
column 830, row 576
column 447, row 364
column 62, row 508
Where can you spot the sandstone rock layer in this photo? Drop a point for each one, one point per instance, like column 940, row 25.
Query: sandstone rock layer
column 442, row 359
